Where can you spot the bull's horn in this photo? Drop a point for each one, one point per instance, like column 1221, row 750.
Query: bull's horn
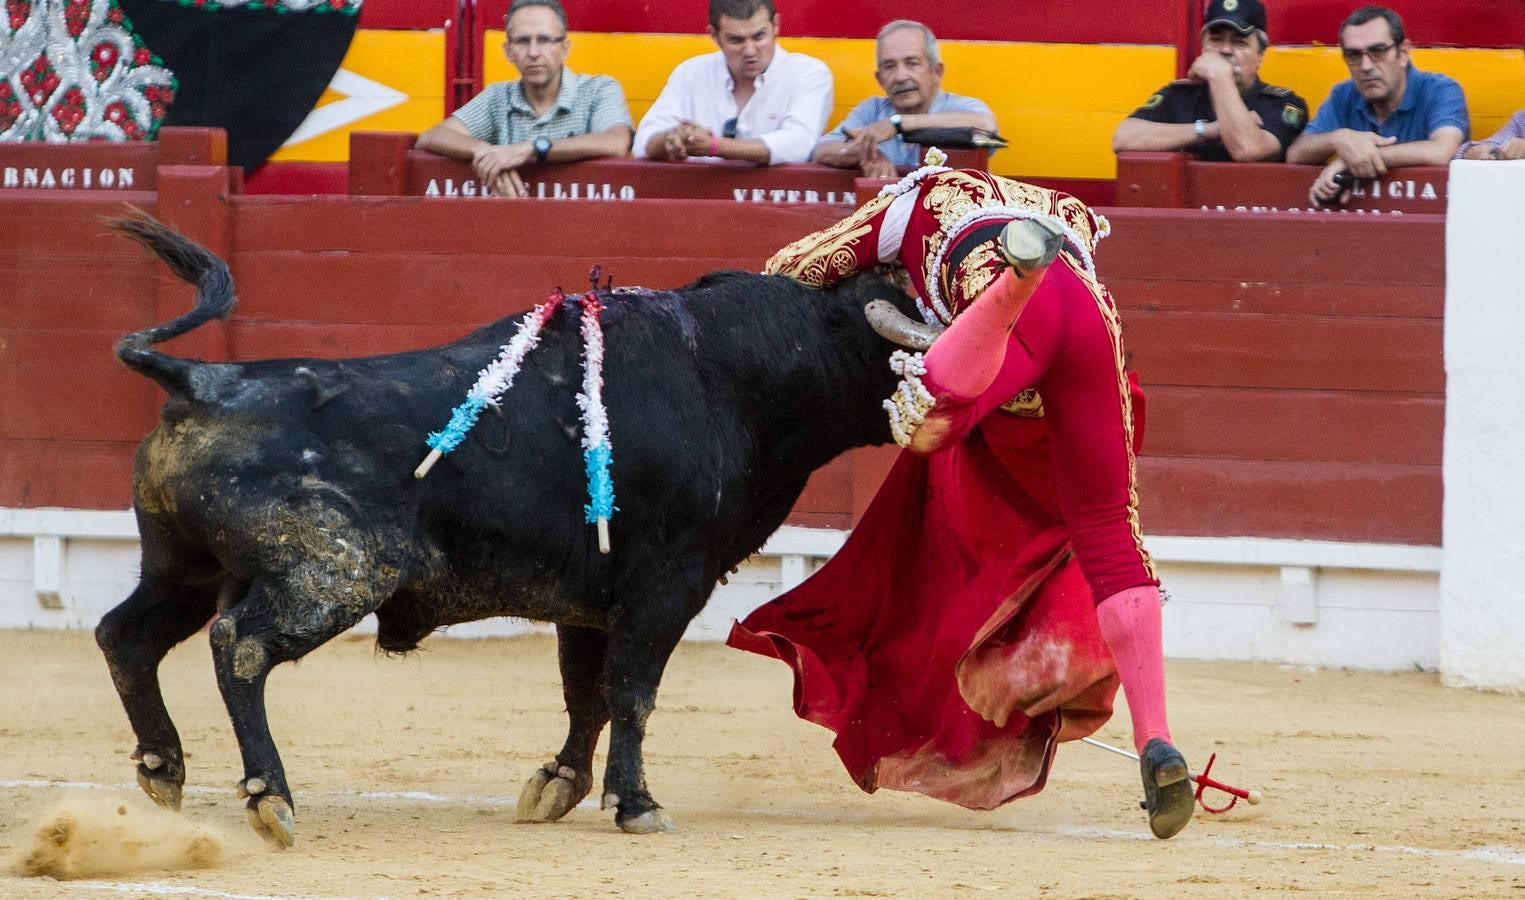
column 897, row 327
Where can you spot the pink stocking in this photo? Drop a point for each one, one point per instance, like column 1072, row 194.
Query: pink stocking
column 966, row 358
column 1130, row 624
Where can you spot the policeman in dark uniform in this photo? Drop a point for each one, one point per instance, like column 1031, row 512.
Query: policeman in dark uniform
column 1221, row 111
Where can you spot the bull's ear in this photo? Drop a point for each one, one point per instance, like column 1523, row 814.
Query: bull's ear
column 897, row 327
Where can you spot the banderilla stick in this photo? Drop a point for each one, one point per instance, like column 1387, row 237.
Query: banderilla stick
column 1204, row 781
column 428, row 463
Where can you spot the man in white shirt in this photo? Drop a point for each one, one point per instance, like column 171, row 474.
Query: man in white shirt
column 753, row 100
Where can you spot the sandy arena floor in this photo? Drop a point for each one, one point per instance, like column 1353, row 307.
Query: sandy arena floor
column 406, row 772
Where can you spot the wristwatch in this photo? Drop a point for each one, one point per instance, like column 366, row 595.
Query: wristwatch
column 542, row 147
column 895, row 121
column 1200, row 127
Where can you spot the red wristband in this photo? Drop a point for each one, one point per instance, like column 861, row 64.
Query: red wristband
column 714, row 145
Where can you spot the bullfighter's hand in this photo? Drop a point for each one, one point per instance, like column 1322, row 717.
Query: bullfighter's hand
column 1324, row 189
column 493, row 159
column 1358, row 150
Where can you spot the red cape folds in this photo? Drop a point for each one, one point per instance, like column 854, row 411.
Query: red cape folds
column 952, row 642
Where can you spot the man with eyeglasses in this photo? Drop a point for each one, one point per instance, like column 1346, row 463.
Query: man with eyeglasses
column 1221, row 111
column 752, row 100
column 1388, row 114
column 909, row 68
column 551, row 114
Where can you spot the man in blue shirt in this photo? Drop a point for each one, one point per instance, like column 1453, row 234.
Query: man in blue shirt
column 911, row 73
column 1388, row 114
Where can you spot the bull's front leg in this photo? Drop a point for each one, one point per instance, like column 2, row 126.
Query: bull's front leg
column 640, row 642
column 561, row 784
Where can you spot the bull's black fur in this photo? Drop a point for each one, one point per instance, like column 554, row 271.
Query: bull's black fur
column 278, row 498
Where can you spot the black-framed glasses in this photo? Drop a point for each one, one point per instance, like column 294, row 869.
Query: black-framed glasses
column 728, row 128
column 526, row 41
column 1377, row 52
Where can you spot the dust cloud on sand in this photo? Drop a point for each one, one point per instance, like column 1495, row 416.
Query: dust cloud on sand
column 88, row 837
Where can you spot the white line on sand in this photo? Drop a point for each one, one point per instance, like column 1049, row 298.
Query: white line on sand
column 1499, row 855
column 179, row 890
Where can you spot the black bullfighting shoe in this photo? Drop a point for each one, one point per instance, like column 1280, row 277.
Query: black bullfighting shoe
column 1168, row 797
column 1029, row 245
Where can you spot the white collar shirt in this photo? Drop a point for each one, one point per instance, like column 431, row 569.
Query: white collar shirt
column 788, row 111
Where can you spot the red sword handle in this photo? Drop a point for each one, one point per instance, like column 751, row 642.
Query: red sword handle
column 1205, row 781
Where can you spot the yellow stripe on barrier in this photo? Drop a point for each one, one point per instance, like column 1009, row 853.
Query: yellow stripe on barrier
column 1056, row 103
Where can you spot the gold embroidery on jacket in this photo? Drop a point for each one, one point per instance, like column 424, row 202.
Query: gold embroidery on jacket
column 824, row 257
column 974, row 275
column 1108, row 309
column 1026, row 405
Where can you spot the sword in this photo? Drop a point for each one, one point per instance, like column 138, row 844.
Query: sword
column 1203, row 781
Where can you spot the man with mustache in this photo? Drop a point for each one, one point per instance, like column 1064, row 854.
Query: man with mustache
column 910, row 70
column 1388, row 114
column 1221, row 111
column 550, row 114
column 752, row 100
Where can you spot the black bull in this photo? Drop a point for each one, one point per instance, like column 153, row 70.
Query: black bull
column 276, row 499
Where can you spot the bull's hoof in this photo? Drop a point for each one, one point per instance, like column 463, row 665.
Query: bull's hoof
column 550, row 793
column 654, row 821
column 271, row 818
column 160, row 788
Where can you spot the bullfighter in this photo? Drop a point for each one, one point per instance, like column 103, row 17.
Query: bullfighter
column 997, row 588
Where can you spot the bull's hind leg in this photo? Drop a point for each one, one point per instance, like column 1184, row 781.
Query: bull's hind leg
column 562, row 783
column 134, row 637
column 639, row 646
column 280, row 621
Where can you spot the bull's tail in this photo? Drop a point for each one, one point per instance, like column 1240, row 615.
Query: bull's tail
column 214, row 299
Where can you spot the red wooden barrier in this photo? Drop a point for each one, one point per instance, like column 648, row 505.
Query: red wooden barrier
column 107, row 166
column 1292, row 362
column 1293, row 370
column 1177, row 180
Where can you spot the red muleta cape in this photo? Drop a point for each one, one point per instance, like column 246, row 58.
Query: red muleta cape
column 952, row 642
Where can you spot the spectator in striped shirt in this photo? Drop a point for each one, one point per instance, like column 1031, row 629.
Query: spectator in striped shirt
column 550, row 114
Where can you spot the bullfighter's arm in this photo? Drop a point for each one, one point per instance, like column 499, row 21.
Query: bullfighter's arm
column 834, row 254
